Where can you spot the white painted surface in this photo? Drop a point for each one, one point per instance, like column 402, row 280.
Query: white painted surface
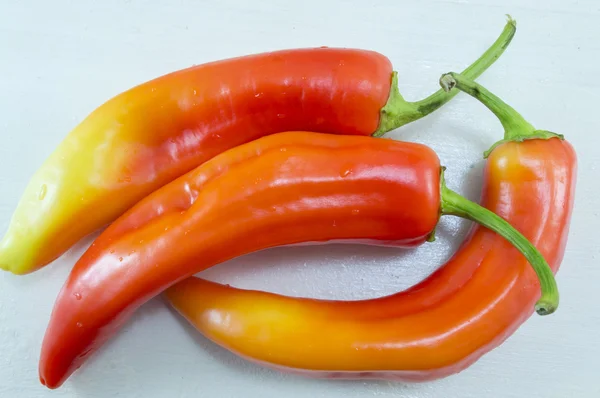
column 61, row 59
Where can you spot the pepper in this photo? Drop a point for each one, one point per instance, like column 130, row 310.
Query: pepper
column 284, row 189
column 438, row 327
column 157, row 131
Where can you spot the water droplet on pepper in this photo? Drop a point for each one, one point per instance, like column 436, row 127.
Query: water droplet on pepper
column 43, row 191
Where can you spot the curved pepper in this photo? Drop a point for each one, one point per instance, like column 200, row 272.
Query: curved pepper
column 436, row 328
column 283, row 189
column 159, row 130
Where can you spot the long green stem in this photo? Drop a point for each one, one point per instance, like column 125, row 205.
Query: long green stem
column 397, row 112
column 516, row 128
column 454, row 204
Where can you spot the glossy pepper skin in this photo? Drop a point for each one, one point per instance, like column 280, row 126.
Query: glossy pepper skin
column 155, row 132
column 284, row 189
column 281, row 189
column 434, row 329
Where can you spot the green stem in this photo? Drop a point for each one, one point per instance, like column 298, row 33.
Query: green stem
column 397, row 112
column 454, row 204
column 516, row 128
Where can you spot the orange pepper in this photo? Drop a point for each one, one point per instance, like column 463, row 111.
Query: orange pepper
column 443, row 324
column 283, row 189
column 155, row 132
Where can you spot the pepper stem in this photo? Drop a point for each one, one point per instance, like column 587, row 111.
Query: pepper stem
column 397, row 112
column 456, row 205
column 516, row 128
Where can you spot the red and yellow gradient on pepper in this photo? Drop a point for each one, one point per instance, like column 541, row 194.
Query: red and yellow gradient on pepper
column 284, row 189
column 157, row 131
column 436, row 328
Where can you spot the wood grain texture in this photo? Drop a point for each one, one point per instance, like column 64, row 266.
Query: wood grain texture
column 61, row 59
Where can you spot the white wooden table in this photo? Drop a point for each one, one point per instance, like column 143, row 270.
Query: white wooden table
column 61, row 59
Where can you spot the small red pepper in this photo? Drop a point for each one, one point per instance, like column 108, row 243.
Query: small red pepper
column 155, row 132
column 283, row 189
column 443, row 324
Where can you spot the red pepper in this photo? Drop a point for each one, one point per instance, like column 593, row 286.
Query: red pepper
column 157, row 131
column 438, row 327
column 283, row 189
